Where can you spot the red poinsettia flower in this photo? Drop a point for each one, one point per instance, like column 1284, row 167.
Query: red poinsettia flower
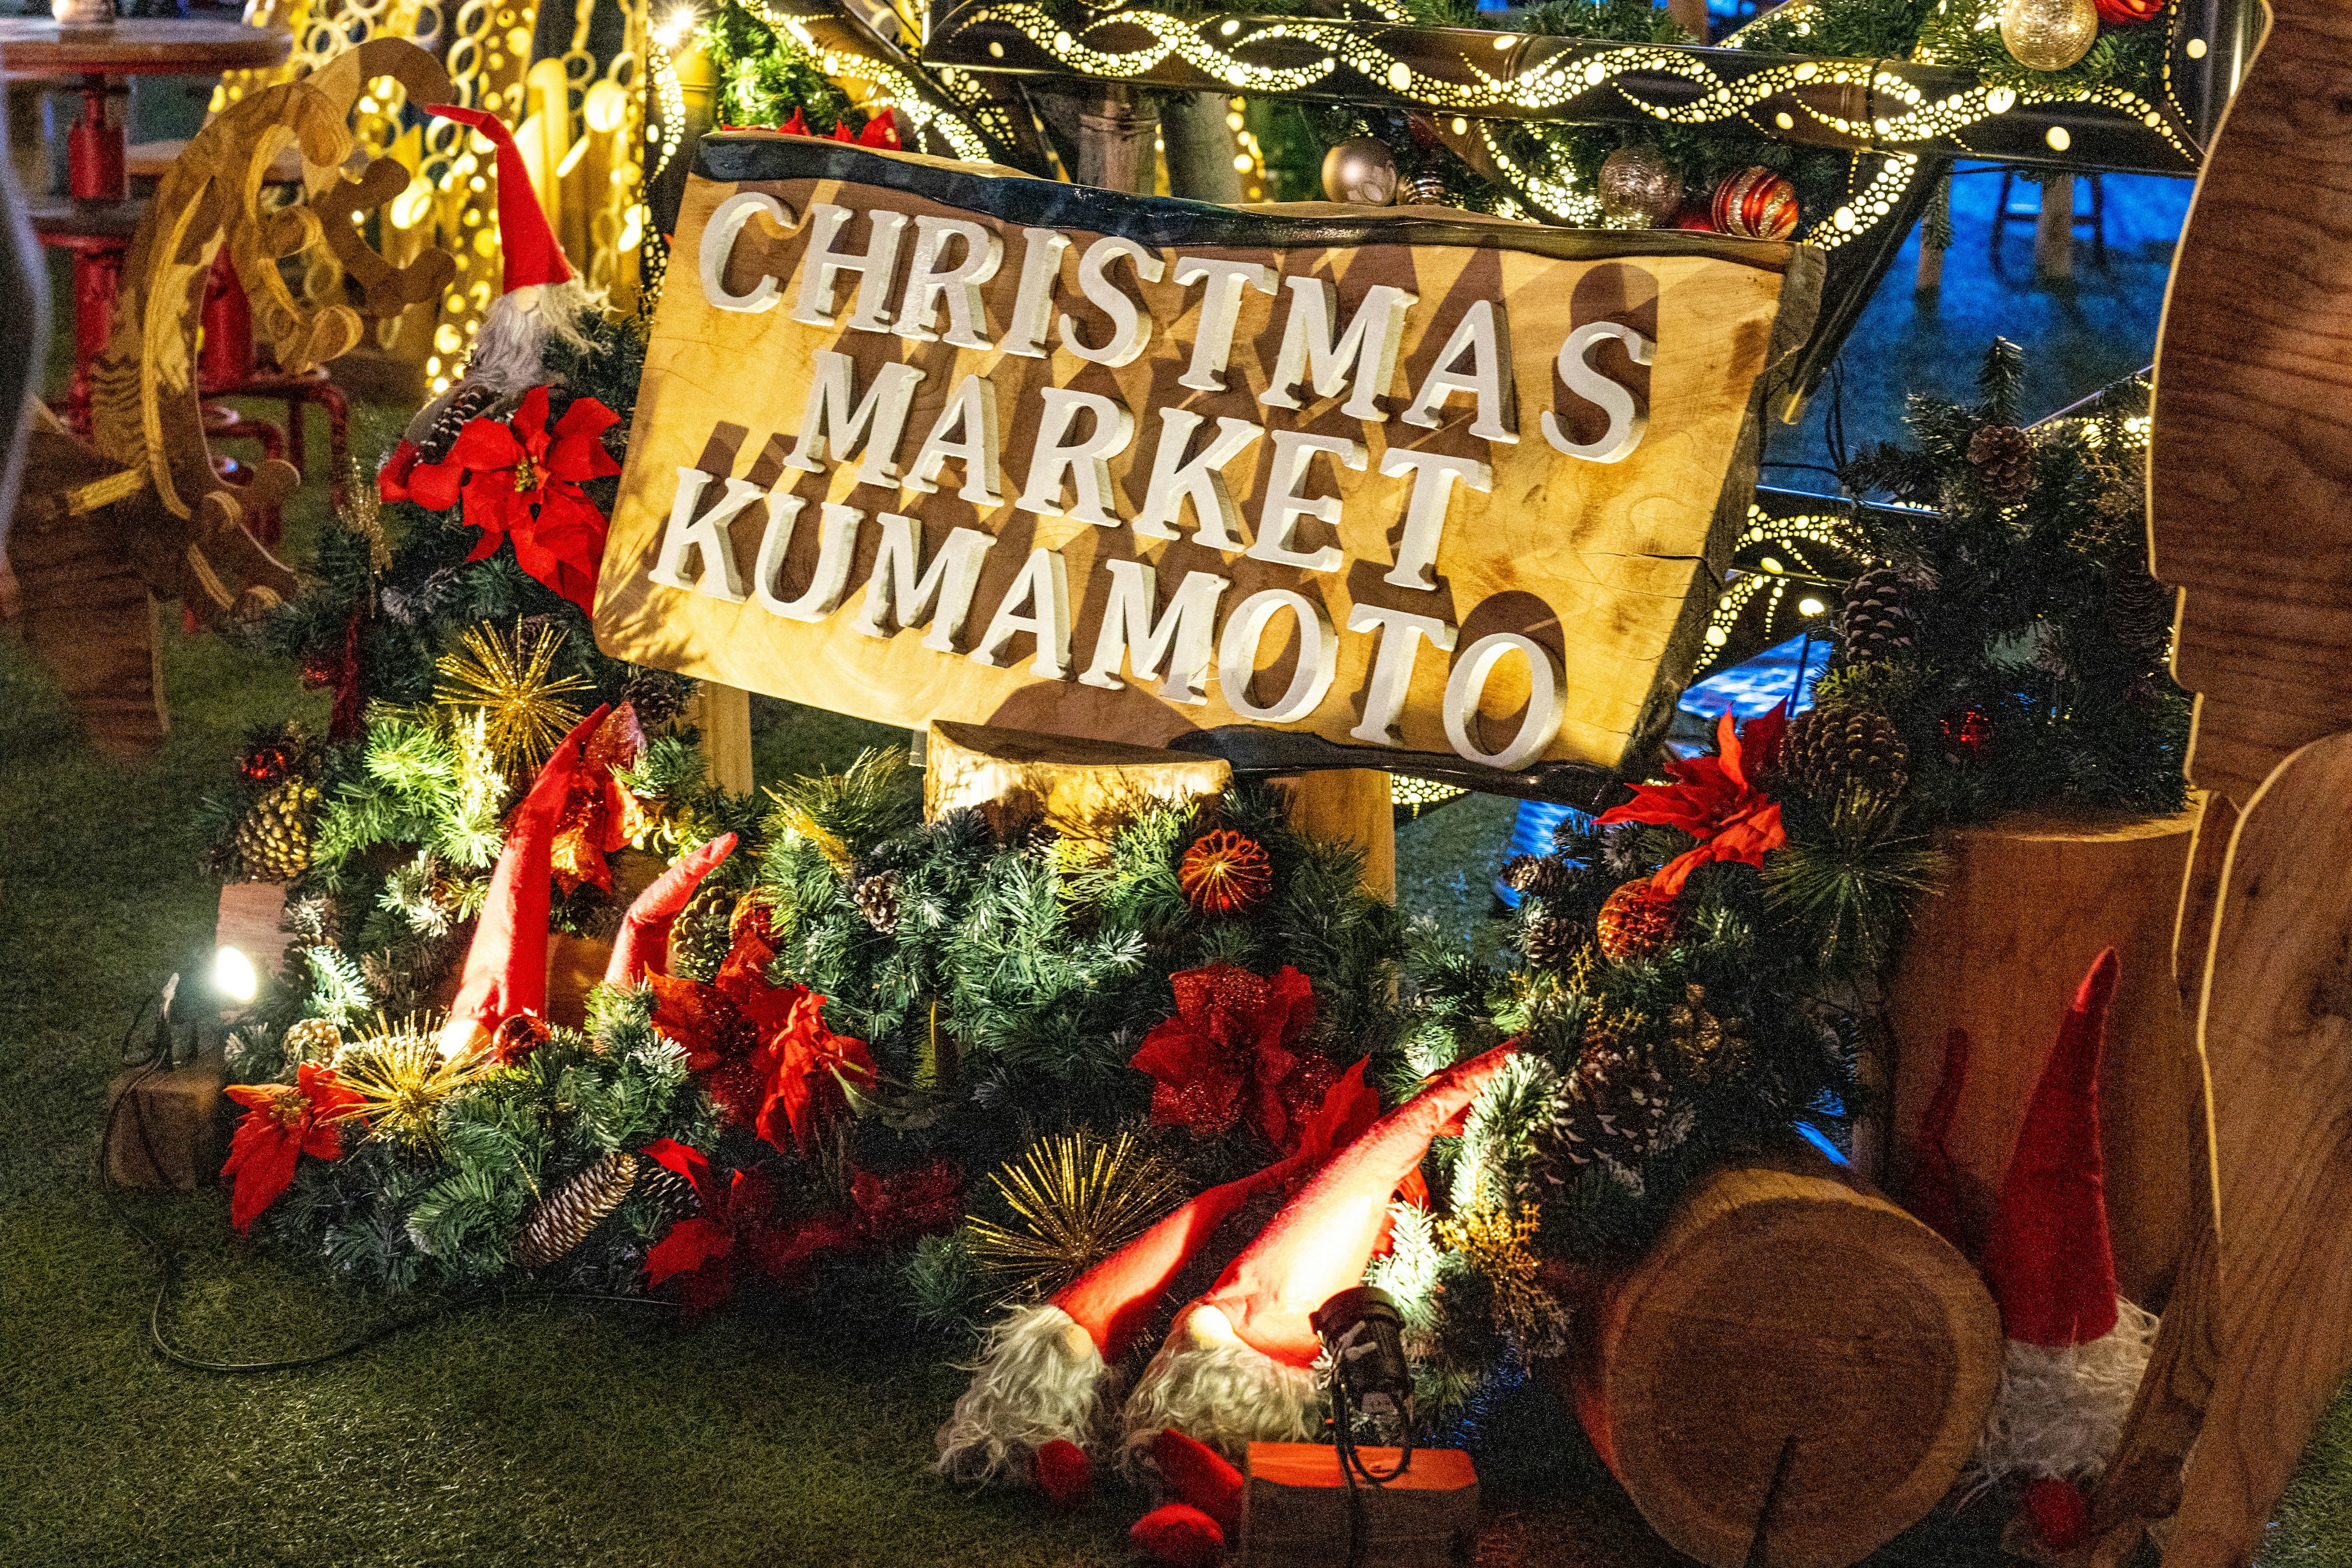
column 702, row 1250
column 1227, row 1054
column 925, row 1201
column 282, row 1123
column 599, row 813
column 804, row 1067
column 519, row 479
column 1715, row 801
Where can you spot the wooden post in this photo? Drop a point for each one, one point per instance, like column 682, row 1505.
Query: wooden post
column 1690, row 16
column 1200, row 148
column 1078, row 788
column 723, row 713
column 1780, row 1302
column 1351, row 805
column 2029, row 902
column 1114, row 141
column 1931, row 255
column 2053, row 231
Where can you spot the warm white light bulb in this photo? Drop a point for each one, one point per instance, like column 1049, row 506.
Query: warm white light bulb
column 1810, row 605
column 233, row 975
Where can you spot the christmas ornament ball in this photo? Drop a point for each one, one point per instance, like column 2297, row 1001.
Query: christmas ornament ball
column 1755, row 204
column 1360, row 171
column 2049, row 34
column 1639, row 189
column 1426, row 190
column 2129, row 12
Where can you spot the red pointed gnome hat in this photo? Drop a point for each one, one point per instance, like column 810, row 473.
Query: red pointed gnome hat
column 533, row 253
column 642, row 945
column 1321, row 1241
column 505, row 966
column 1113, row 1301
column 2046, row 1254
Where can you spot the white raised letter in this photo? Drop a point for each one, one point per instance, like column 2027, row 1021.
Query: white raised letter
column 836, row 542
column 1293, row 450
column 706, row 534
column 1220, row 306
column 1187, row 632
column 1086, row 462
column 1467, row 684
column 719, row 237
column 1485, row 334
column 970, row 415
column 821, row 261
column 1369, row 346
column 1434, row 474
column 929, row 282
column 1626, row 424
column 1392, row 677
column 900, row 594
column 1131, row 326
column 1033, row 304
column 834, row 421
column 1044, row 589
column 1202, row 480
column 1237, row 656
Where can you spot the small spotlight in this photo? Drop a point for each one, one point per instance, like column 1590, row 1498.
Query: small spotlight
column 233, row 979
column 1365, row 1335
column 1808, row 605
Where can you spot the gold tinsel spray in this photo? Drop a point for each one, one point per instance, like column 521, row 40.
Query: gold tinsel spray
column 402, row 1078
column 1081, row 1198
column 513, row 686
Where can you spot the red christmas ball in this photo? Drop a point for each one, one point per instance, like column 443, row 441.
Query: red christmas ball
column 1755, row 204
column 2127, row 13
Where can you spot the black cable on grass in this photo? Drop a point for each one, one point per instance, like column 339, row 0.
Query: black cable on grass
column 157, row 1056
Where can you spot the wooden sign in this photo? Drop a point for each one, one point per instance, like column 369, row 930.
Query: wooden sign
column 920, row 441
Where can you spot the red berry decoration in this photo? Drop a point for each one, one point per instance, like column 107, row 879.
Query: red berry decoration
column 1756, row 203
column 2127, row 13
column 1637, row 922
column 1225, row 872
column 1966, row 736
column 267, row 763
column 2060, row 1514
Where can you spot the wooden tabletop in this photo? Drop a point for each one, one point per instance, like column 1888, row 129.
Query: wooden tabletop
column 38, row 48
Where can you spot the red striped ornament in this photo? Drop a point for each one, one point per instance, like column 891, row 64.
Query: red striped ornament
column 2127, row 13
column 1756, row 203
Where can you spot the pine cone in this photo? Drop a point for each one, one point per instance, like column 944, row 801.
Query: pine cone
column 1550, row 942
column 656, row 696
column 471, row 401
column 1709, row 1045
column 563, row 1219
column 1613, row 1107
column 876, row 897
column 1538, row 876
column 2139, row 613
column 670, row 1191
column 2002, row 456
column 1877, row 616
column 1636, row 922
column 311, row 1040
column 274, row 839
column 1828, row 748
column 700, row 939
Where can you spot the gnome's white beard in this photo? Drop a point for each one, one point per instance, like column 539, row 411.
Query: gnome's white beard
column 1213, row 1388
column 511, row 348
column 1032, row 1385
column 2061, row 1412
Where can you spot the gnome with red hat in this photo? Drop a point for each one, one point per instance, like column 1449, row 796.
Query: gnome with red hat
column 1238, row 1365
column 2075, row 1349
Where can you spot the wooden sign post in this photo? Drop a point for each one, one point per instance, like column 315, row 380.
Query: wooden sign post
column 926, row 441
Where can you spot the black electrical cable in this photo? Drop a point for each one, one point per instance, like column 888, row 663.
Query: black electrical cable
column 167, row 1259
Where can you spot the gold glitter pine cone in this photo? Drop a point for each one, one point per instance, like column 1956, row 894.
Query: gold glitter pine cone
column 1225, row 872
column 1637, row 922
column 274, row 839
column 563, row 1219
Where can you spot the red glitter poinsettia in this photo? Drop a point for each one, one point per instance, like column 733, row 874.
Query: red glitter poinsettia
column 1228, row 1054
column 519, row 479
column 282, row 1123
column 764, row 1050
column 1714, row 800
column 702, row 1250
column 599, row 813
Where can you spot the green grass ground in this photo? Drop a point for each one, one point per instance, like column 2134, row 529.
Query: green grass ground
column 528, row 1434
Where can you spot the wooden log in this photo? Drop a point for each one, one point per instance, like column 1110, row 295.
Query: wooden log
column 1782, row 1302
column 162, row 1126
column 1080, row 789
column 2030, row 903
column 723, row 713
column 1349, row 806
column 1297, row 1510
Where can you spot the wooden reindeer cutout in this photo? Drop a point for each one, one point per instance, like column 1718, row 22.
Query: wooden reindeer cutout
column 141, row 513
column 2249, row 491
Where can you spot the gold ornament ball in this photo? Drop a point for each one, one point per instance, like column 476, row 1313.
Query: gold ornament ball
column 2049, row 34
column 1362, row 172
column 1639, row 189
